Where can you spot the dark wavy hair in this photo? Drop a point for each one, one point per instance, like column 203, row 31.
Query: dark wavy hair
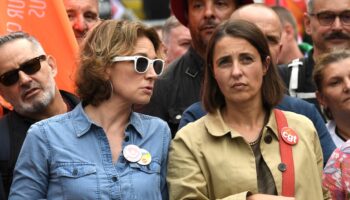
column 272, row 86
column 108, row 39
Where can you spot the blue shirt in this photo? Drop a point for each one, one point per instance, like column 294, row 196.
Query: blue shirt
column 68, row 157
column 196, row 111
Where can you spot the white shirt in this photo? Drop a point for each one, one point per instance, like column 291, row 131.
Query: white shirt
column 336, row 139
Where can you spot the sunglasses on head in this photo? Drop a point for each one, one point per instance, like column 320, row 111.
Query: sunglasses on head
column 327, row 18
column 142, row 63
column 29, row 67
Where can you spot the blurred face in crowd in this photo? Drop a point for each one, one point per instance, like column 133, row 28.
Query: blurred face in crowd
column 32, row 92
column 334, row 93
column 329, row 32
column 83, row 15
column 204, row 16
column 238, row 70
column 268, row 22
column 177, row 42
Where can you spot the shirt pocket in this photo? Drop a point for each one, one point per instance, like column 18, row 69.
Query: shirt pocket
column 146, row 175
column 74, row 177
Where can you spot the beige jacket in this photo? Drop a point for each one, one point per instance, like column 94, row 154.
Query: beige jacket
column 208, row 160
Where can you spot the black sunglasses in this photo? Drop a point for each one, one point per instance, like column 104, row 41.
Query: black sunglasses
column 142, row 63
column 326, row 18
column 29, row 67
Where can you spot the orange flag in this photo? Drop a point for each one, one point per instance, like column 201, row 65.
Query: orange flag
column 47, row 20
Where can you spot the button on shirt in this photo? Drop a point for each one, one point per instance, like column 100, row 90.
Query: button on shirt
column 68, row 157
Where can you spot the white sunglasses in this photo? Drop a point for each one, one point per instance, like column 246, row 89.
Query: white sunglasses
column 142, row 63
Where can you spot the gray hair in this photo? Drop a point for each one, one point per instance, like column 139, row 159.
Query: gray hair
column 19, row 35
column 310, row 6
column 169, row 24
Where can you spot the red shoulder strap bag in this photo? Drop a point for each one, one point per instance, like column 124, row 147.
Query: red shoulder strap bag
column 287, row 138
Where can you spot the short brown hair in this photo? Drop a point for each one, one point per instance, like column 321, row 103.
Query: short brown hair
column 272, row 86
column 108, row 39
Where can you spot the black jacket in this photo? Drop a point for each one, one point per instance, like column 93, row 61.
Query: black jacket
column 176, row 89
column 14, row 128
column 306, row 87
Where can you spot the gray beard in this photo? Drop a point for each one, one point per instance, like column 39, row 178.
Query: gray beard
column 38, row 105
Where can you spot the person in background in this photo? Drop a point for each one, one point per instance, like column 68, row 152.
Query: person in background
column 233, row 152
column 267, row 20
column 332, row 80
column 83, row 15
column 102, row 149
column 27, row 82
column 290, row 49
column 180, row 85
column 328, row 23
column 176, row 39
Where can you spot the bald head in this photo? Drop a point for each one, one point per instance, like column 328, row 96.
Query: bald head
column 267, row 20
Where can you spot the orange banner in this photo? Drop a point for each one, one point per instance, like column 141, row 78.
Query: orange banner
column 47, row 20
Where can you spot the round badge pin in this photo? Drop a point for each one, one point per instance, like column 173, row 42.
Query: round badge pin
column 132, row 153
column 289, row 136
column 146, row 157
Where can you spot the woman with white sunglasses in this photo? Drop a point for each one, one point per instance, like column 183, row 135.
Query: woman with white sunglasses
column 102, row 149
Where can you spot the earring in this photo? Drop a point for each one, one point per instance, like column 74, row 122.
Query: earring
column 111, row 88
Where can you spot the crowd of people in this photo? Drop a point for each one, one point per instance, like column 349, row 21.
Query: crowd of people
column 224, row 102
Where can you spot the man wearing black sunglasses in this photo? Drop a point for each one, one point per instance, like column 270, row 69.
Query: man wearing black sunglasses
column 27, row 82
column 328, row 23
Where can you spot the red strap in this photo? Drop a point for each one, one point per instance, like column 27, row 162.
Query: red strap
column 288, row 185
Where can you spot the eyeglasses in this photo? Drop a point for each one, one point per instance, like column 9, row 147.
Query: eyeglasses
column 326, row 18
column 142, row 63
column 29, row 67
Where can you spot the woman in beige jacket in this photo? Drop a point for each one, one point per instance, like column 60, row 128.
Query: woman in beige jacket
column 234, row 151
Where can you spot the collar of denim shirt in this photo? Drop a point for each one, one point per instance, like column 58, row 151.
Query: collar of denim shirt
column 82, row 122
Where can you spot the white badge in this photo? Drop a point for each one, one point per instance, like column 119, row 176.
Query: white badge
column 132, row 153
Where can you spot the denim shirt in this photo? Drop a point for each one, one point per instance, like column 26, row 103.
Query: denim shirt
column 68, row 157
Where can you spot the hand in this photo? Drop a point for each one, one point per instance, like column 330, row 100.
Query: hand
column 268, row 197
